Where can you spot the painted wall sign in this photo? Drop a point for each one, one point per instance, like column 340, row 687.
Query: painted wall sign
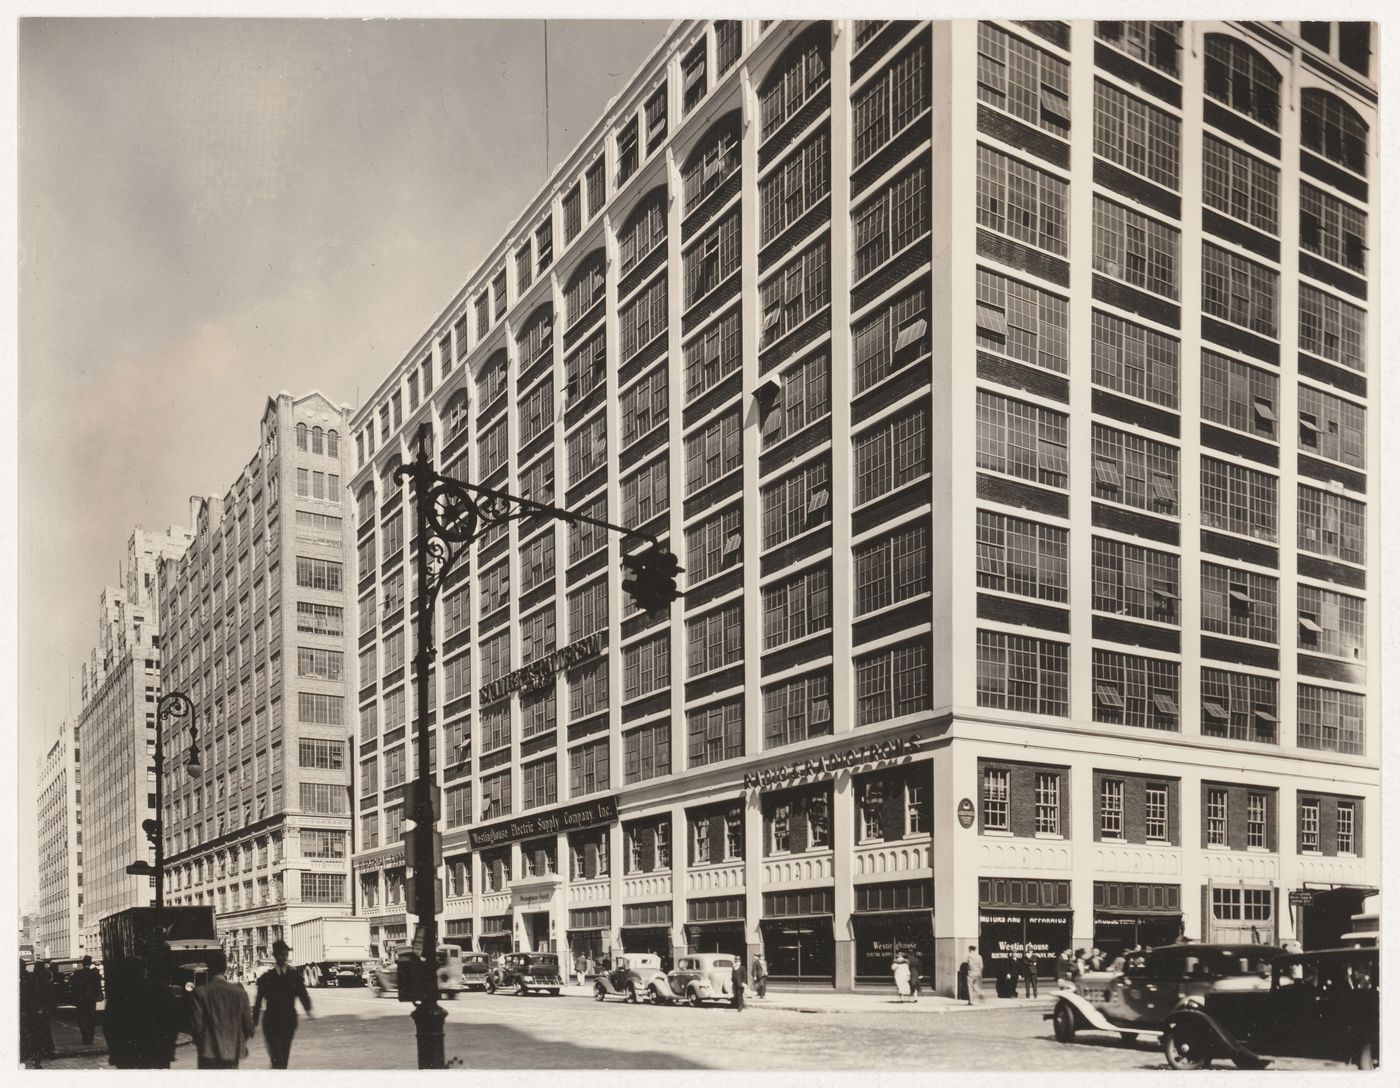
column 539, row 673
column 819, row 766
column 967, row 812
column 588, row 814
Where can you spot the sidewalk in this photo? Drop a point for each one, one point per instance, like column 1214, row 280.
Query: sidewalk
column 829, row 1001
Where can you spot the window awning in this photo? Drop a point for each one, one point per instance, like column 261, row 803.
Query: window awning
column 1215, row 710
column 1165, row 703
column 1266, row 716
column 1309, row 624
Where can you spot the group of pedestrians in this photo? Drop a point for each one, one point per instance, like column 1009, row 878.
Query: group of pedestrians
column 222, row 1020
column 908, row 970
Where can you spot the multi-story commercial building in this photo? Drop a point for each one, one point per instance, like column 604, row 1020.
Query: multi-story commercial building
column 255, row 618
column 117, row 725
column 59, row 929
column 1004, row 390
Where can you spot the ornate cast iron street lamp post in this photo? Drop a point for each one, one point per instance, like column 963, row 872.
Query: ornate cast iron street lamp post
column 449, row 516
column 174, row 704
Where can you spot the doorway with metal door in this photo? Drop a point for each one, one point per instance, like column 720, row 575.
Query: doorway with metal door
column 537, row 931
column 800, row 951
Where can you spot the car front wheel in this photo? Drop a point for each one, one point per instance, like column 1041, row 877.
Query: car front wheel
column 631, row 993
column 1185, row 1048
column 1064, row 1022
column 599, row 993
column 693, row 999
column 658, row 998
column 1369, row 1056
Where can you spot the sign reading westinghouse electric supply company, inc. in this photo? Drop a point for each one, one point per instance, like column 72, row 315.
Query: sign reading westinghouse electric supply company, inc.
column 787, row 773
column 537, row 674
column 588, row 814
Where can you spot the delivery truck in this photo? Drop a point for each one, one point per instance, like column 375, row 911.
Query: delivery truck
column 152, row 958
column 331, row 950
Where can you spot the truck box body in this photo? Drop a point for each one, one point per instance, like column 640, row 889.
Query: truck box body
column 140, row 932
column 341, row 939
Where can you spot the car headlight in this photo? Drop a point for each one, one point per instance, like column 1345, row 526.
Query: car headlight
column 189, row 987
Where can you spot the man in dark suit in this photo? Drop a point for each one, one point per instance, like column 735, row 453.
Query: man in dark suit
column 281, row 988
column 87, row 992
column 220, row 1020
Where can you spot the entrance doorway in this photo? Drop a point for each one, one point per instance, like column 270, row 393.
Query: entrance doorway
column 537, row 931
column 799, row 950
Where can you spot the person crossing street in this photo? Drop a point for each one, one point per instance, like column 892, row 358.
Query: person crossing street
column 220, row 1021
column 281, row 988
column 87, row 992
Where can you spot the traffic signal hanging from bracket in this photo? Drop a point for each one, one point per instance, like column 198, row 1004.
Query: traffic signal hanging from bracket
column 653, row 581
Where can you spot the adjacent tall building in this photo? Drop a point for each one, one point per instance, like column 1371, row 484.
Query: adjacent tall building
column 59, row 925
column 256, row 615
column 1005, row 391
column 120, row 685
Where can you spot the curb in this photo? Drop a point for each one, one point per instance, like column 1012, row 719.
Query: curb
column 932, row 1007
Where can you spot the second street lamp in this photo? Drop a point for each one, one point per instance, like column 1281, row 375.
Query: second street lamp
column 174, row 704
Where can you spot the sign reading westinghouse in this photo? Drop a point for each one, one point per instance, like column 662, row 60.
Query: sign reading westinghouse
column 830, row 763
column 539, row 673
column 589, row 813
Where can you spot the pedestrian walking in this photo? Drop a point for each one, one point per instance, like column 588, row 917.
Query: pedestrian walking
column 1027, row 964
column 974, row 975
column 1096, row 959
column 580, row 968
column 899, row 968
column 916, row 973
column 87, row 992
column 737, row 980
column 1081, row 962
column 281, row 988
column 221, row 1022
column 42, row 1000
column 1064, row 970
column 760, row 976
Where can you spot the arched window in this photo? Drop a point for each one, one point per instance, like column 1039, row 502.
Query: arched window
column 318, row 440
column 585, row 288
column 455, row 417
column 1334, row 130
column 493, row 377
column 537, row 339
column 388, row 479
column 1240, row 77
column 714, row 159
column 332, row 444
column 644, row 230
column 800, row 73
column 301, row 436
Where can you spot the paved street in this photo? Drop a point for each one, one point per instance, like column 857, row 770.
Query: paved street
column 353, row 1029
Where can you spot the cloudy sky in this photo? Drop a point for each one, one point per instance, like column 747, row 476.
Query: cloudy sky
column 215, row 210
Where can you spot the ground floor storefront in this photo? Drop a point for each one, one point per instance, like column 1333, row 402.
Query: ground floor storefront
column 833, row 864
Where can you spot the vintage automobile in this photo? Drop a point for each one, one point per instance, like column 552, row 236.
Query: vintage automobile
column 476, row 966
column 634, row 975
column 700, row 978
column 1152, row 985
column 1319, row 1005
column 452, row 977
column 526, row 971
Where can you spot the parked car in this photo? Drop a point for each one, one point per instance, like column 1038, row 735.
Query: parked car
column 1319, row 1005
column 1152, row 985
column 476, row 966
column 633, row 976
column 63, row 972
column 700, row 978
column 526, row 971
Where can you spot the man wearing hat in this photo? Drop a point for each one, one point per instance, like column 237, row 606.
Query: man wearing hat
column 281, row 988
column 87, row 992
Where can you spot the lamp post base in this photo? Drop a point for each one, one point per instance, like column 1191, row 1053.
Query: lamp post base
column 430, row 1016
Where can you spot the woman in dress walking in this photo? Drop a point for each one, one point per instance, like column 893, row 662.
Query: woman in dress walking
column 900, row 969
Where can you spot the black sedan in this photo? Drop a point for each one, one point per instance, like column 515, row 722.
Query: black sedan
column 1319, row 1005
